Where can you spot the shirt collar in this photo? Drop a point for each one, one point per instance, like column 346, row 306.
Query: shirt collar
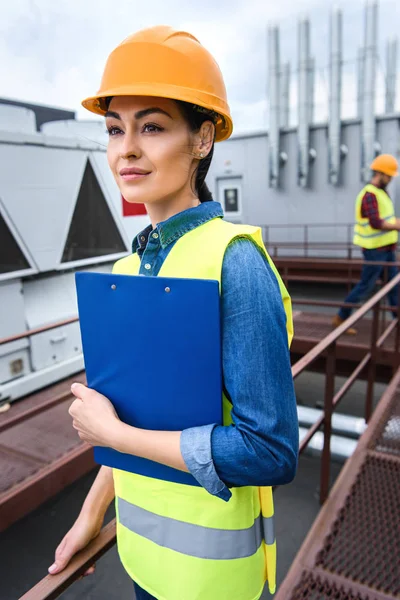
column 177, row 225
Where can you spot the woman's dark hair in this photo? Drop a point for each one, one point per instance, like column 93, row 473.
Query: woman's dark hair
column 195, row 116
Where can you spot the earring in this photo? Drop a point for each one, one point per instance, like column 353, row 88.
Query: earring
column 201, row 155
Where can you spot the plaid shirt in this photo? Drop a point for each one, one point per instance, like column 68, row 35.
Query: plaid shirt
column 370, row 211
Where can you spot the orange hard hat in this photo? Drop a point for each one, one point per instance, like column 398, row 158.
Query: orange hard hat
column 385, row 163
column 162, row 62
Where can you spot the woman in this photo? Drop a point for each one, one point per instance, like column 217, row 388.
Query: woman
column 164, row 101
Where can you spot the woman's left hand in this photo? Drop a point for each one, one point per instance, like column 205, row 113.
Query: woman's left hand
column 94, row 416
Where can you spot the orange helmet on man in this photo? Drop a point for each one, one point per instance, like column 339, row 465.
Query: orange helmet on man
column 385, row 163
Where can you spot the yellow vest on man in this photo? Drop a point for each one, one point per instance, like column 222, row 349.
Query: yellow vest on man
column 364, row 235
column 178, row 541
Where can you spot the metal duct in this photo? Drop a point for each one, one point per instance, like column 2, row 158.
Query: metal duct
column 335, row 96
column 285, row 95
column 311, row 90
column 368, row 114
column 391, row 76
column 274, row 104
column 303, row 130
column 345, row 425
column 360, row 81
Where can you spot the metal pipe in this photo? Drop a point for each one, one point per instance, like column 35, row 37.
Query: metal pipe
column 285, row 95
column 360, row 81
column 391, row 75
column 311, row 89
column 341, row 448
column 335, row 96
column 303, row 131
column 368, row 114
column 344, row 425
column 274, row 105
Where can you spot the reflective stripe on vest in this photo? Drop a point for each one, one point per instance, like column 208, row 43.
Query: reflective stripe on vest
column 364, row 235
column 195, row 540
column 178, row 541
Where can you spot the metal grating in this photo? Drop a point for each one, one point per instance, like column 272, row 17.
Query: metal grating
column 364, row 543
column 15, row 468
column 316, row 326
column 388, row 437
column 44, row 437
column 321, row 588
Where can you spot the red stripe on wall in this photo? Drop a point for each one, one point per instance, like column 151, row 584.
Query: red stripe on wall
column 132, row 209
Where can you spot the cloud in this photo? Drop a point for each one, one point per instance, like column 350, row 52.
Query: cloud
column 54, row 52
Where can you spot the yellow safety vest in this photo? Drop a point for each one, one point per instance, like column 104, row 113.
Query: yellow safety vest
column 364, row 235
column 178, row 541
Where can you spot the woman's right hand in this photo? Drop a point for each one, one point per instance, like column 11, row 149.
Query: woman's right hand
column 84, row 530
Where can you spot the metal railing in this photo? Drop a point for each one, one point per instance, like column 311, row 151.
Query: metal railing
column 305, row 243
column 52, row 586
column 349, row 270
column 352, row 550
column 327, row 346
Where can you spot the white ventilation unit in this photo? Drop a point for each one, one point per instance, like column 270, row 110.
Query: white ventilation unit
column 82, row 131
column 17, row 119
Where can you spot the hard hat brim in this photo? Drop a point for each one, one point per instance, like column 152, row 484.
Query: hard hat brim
column 223, row 127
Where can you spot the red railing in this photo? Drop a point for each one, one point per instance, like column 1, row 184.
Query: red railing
column 52, row 586
column 308, row 231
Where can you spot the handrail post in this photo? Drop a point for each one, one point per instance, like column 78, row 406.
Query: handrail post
column 306, row 240
column 328, row 408
column 397, row 338
column 349, row 241
column 372, row 363
column 384, row 282
column 349, row 277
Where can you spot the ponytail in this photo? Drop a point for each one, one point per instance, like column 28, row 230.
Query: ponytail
column 201, row 187
column 196, row 116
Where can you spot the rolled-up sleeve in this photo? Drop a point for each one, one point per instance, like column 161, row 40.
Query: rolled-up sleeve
column 370, row 210
column 261, row 446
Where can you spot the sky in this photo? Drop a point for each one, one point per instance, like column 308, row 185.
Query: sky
column 54, row 52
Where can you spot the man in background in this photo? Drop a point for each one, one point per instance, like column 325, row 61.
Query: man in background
column 376, row 232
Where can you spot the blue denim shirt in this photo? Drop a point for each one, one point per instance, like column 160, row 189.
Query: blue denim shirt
column 261, row 446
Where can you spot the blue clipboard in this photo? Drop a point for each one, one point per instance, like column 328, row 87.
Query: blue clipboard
column 152, row 345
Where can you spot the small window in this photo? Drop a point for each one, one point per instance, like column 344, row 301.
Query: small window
column 93, row 231
column 231, row 200
column 229, row 193
column 11, row 256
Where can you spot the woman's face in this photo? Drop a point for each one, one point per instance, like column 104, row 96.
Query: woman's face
column 150, row 149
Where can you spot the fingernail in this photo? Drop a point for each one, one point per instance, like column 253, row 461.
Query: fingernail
column 73, row 386
column 53, row 568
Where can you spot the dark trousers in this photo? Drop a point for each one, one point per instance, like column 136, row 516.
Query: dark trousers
column 142, row 594
column 369, row 276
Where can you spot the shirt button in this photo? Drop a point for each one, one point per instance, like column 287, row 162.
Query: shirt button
column 147, row 266
column 142, row 238
column 155, row 236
